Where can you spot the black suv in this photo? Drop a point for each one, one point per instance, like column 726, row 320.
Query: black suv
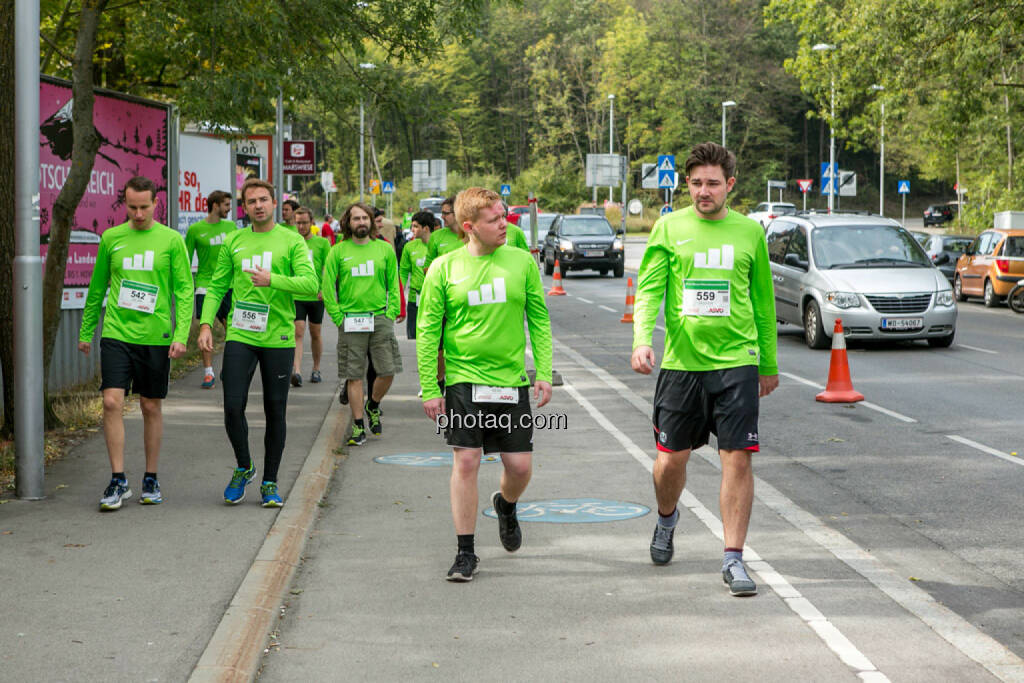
column 583, row 243
column 937, row 214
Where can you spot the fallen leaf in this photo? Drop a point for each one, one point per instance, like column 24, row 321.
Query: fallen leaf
column 435, row 665
column 296, row 591
column 836, row 439
column 61, row 486
column 913, row 578
column 7, row 533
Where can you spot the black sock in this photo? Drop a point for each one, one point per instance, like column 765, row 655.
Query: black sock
column 465, row 543
column 503, row 506
column 371, row 404
column 359, row 422
column 149, row 474
column 118, row 475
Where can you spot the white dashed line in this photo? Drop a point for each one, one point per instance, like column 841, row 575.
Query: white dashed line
column 607, row 308
column 978, row 349
column 586, row 301
column 867, row 404
column 985, row 449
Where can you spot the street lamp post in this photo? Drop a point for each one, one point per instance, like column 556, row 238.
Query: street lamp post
column 881, row 156
column 820, row 47
column 727, row 103
column 611, row 134
column 362, row 135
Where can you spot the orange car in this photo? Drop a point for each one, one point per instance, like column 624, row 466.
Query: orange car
column 991, row 266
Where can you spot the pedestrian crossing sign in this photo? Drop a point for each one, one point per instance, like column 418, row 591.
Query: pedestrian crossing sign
column 903, row 187
column 388, row 187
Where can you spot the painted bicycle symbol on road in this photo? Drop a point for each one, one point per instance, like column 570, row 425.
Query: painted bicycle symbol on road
column 439, row 459
column 576, row 511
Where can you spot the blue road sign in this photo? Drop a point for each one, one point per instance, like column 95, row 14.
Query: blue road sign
column 575, row 511
column 440, row 459
column 826, row 179
column 388, row 187
column 666, row 162
column 506, row 190
column 666, row 179
column 666, row 209
column 903, row 187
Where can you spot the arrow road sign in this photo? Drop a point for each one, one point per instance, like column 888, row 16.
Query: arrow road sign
column 506, row 190
column 666, row 162
column 388, row 188
column 903, row 187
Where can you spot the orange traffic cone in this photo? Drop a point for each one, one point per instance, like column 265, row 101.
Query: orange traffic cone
column 627, row 317
column 557, row 289
column 839, row 388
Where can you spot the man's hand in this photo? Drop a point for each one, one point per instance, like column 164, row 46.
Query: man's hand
column 433, row 408
column 260, row 277
column 767, row 384
column 177, row 350
column 205, row 340
column 85, row 347
column 642, row 360
column 542, row 392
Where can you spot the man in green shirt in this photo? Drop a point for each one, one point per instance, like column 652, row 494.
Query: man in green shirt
column 448, row 237
column 203, row 242
column 412, row 267
column 313, row 309
column 710, row 266
column 146, row 269
column 264, row 265
column 361, row 294
column 288, row 209
column 484, row 291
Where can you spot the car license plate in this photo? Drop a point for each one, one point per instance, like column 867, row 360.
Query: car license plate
column 593, row 252
column 902, row 323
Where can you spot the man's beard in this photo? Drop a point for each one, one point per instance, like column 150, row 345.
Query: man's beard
column 360, row 232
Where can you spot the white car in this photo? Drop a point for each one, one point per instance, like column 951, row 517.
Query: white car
column 765, row 212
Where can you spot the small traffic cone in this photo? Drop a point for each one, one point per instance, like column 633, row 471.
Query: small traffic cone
column 557, row 289
column 627, row 317
column 839, row 388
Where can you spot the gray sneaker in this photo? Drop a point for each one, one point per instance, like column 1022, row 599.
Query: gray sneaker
column 661, row 544
column 150, row 492
column 116, row 492
column 734, row 574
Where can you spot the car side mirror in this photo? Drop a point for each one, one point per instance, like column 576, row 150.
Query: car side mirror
column 942, row 259
column 794, row 261
column 620, row 232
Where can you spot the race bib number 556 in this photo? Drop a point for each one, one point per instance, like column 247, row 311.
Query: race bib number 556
column 706, row 297
column 250, row 316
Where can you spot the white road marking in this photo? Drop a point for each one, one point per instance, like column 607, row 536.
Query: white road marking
column 867, row 404
column 978, row 349
column 953, row 628
column 586, row 301
column 985, row 449
column 607, row 308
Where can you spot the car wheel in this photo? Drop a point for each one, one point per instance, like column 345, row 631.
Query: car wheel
column 1016, row 299
column 958, row 289
column 620, row 269
column 602, row 271
column 991, row 299
column 941, row 342
column 814, row 332
column 549, row 266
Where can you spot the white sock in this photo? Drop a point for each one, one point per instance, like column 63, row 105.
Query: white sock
column 209, row 370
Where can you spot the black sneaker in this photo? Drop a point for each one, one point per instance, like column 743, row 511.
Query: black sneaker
column 373, row 417
column 661, row 544
column 508, row 526
column 296, row 379
column 462, row 570
column 734, row 574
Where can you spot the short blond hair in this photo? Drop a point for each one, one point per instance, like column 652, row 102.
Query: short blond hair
column 469, row 203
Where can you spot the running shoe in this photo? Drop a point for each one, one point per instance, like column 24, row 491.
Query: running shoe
column 661, row 544
column 358, row 437
column 508, row 526
column 240, row 478
column 462, row 570
column 150, row 492
column 208, row 381
column 296, row 379
column 315, row 378
column 116, row 492
column 268, row 490
column 373, row 416
column 734, row 574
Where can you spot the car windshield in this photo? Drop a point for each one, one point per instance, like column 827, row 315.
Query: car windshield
column 956, row 243
column 577, row 227
column 544, row 221
column 866, row 246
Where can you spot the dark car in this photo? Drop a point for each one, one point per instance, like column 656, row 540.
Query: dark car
column 944, row 250
column 937, row 214
column 583, row 243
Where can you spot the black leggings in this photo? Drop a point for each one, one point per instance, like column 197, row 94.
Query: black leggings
column 275, row 371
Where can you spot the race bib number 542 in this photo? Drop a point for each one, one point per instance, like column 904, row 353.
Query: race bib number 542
column 706, row 297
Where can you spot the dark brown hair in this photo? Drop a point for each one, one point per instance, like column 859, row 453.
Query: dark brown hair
column 712, row 154
column 142, row 184
column 344, row 221
column 216, row 197
column 257, row 182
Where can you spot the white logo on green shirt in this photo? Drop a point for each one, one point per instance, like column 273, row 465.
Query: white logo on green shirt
column 488, row 294
column 217, row 239
column 138, row 262
column 717, row 259
column 363, row 270
column 263, row 261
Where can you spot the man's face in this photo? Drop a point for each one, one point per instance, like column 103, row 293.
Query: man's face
column 360, row 223
column 303, row 223
column 379, row 221
column 222, row 209
column 448, row 216
column 709, row 189
column 287, row 214
column 140, row 207
column 259, row 205
column 420, row 232
column 489, row 226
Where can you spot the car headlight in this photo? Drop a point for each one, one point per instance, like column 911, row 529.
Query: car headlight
column 565, row 245
column 617, row 244
column 843, row 299
column 944, row 298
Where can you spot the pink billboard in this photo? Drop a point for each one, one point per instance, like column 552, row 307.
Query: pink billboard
column 133, row 141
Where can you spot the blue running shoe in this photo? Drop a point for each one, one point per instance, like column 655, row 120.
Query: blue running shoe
column 151, row 492
column 116, row 492
column 271, row 499
column 240, row 478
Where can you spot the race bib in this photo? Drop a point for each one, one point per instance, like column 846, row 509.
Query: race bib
column 359, row 322
column 706, row 297
column 250, row 316
column 486, row 394
column 420, row 262
column 138, row 296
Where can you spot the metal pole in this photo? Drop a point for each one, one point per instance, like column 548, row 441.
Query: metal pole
column 361, row 124
column 173, row 168
column 611, row 133
column 233, row 180
column 534, row 235
column 28, row 264
column 723, row 124
column 904, row 221
column 881, row 170
column 832, row 150
column 279, row 152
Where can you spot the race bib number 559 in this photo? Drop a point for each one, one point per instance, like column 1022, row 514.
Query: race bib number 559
column 706, row 297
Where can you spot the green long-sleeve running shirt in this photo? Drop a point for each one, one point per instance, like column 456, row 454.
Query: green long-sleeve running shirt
column 361, row 278
column 261, row 316
column 317, row 247
column 715, row 279
column 144, row 270
column 440, row 243
column 483, row 299
column 413, row 265
column 206, row 239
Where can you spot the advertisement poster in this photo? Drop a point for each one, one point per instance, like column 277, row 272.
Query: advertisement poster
column 204, row 166
column 253, row 159
column 133, row 141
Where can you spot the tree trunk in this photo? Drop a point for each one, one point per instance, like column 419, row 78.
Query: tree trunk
column 83, row 156
column 7, row 227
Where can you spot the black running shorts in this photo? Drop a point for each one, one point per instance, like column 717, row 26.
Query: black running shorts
column 136, row 368
column 689, row 406
column 314, row 310
column 222, row 311
column 494, row 427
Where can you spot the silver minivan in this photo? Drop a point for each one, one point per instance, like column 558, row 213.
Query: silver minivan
column 867, row 270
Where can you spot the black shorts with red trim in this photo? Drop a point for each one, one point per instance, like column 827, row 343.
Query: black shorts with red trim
column 689, row 406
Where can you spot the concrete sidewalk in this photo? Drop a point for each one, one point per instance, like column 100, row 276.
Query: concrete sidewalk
column 136, row 594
